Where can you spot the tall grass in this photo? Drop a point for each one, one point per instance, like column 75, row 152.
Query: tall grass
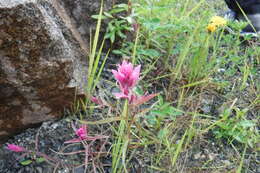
column 173, row 40
column 94, row 71
column 185, row 63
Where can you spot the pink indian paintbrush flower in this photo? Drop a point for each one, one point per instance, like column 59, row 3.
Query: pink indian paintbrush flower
column 15, row 148
column 127, row 76
column 82, row 134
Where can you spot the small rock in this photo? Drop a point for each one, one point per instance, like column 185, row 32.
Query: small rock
column 212, row 156
column 65, row 170
column 197, row 156
column 54, row 126
column 221, row 70
column 79, row 170
column 226, row 162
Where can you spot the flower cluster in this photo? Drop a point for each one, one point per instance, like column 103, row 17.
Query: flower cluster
column 216, row 22
column 82, row 134
column 15, row 148
column 127, row 76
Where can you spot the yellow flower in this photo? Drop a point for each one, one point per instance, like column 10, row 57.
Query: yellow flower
column 211, row 27
column 218, row 21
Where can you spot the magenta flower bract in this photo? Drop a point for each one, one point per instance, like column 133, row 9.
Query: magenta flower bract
column 15, row 148
column 82, row 132
column 136, row 101
column 127, row 76
column 96, row 100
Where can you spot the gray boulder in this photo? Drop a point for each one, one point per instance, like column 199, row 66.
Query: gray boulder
column 42, row 63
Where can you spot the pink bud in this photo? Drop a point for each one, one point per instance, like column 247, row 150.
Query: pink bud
column 82, row 132
column 15, row 148
column 96, row 100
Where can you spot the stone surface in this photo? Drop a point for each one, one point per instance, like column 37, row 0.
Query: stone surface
column 80, row 12
column 42, row 63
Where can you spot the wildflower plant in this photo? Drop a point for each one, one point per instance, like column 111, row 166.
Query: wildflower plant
column 87, row 142
column 127, row 77
column 33, row 155
column 82, row 138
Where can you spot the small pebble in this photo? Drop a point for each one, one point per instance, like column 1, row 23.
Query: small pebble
column 197, row 156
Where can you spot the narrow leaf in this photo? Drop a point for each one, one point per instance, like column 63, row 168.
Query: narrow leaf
column 143, row 99
column 26, row 162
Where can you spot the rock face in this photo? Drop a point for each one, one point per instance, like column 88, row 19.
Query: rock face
column 80, row 12
column 42, row 63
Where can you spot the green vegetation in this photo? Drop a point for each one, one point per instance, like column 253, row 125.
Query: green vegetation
column 205, row 83
column 208, row 84
column 190, row 67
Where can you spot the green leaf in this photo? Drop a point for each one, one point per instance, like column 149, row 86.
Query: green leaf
column 247, row 123
column 240, row 138
column 163, row 133
column 175, row 112
column 138, row 90
column 108, row 15
column 116, row 10
column 152, row 24
column 151, row 119
column 111, row 27
column 120, row 34
column 160, row 98
column 117, row 52
column 97, row 16
column 124, row 6
column 40, row 159
column 129, row 19
column 112, row 38
column 26, row 162
column 108, row 35
column 150, row 52
column 165, row 105
column 158, row 112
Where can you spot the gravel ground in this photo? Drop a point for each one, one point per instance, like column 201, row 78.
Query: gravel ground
column 204, row 155
column 51, row 137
